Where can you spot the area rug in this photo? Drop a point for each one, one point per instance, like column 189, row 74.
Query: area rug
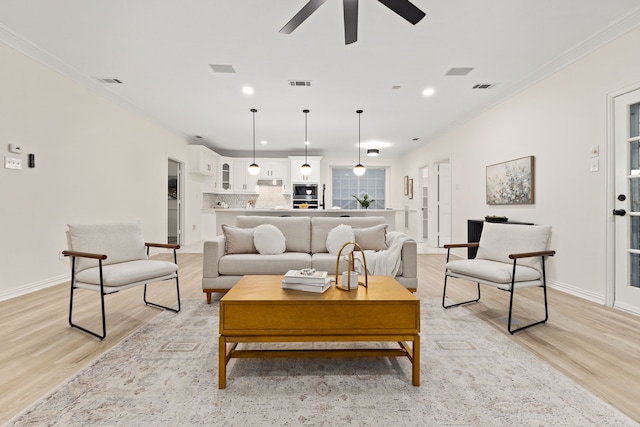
column 471, row 375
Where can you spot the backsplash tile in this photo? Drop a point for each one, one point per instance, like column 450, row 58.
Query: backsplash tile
column 269, row 197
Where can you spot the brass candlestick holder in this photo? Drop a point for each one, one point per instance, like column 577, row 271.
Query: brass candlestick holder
column 351, row 269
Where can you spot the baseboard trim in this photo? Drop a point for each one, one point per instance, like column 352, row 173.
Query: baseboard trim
column 572, row 290
column 32, row 287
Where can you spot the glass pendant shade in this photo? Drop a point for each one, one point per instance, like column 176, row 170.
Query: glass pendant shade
column 359, row 170
column 305, row 169
column 254, row 169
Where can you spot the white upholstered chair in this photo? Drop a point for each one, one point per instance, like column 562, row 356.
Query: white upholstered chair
column 510, row 256
column 108, row 258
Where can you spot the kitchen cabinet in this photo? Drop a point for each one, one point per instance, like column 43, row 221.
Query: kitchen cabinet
column 242, row 180
column 273, row 168
column 225, row 175
column 296, row 175
column 202, row 160
column 276, row 169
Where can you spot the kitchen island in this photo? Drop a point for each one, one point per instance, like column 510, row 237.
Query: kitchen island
column 228, row 216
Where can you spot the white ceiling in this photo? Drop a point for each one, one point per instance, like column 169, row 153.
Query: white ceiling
column 161, row 51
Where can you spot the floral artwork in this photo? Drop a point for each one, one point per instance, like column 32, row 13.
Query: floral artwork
column 511, row 183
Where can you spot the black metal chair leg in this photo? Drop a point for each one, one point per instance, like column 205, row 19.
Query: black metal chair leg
column 104, row 320
column 444, row 296
column 512, row 292
column 162, row 306
column 144, row 297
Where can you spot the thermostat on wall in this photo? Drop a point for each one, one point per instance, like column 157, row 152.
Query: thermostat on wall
column 15, row 148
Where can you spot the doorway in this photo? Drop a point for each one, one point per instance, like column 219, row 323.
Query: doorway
column 424, row 183
column 625, row 292
column 444, row 202
column 174, row 202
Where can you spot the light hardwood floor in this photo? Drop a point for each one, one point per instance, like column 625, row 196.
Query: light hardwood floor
column 596, row 346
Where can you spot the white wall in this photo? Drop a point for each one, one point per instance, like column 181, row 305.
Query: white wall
column 557, row 120
column 95, row 162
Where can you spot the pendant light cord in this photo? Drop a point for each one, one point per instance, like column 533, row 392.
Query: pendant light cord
column 253, row 110
column 306, row 141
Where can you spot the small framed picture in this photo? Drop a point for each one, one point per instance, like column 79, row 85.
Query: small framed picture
column 406, row 185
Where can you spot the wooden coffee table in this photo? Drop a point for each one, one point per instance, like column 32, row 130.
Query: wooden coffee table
column 258, row 310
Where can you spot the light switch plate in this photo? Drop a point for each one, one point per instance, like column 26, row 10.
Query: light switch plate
column 595, row 165
column 595, row 151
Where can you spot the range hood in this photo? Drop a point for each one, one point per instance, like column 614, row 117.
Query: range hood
column 270, row 182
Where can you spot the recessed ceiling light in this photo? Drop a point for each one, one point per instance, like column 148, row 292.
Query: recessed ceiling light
column 428, row 91
column 263, row 142
column 247, row 90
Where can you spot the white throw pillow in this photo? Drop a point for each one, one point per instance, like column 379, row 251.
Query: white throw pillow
column 337, row 237
column 269, row 240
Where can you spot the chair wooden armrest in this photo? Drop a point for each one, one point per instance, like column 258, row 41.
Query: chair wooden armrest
column 462, row 245
column 532, row 254
column 84, row 254
column 162, row 245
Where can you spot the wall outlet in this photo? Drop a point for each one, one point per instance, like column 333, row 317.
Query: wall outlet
column 12, row 163
column 595, row 165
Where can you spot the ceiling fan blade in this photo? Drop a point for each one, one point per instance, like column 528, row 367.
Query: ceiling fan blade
column 301, row 16
column 406, row 9
column 350, row 21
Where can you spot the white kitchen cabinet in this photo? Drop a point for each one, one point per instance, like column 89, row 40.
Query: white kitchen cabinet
column 296, row 175
column 243, row 181
column 202, row 160
column 279, row 169
column 225, row 175
column 273, row 168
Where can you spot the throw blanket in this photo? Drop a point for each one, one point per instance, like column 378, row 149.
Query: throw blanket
column 386, row 262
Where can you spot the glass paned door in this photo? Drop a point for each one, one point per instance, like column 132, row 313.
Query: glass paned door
column 627, row 205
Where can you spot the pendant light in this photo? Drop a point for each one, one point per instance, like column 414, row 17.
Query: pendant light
column 305, row 169
column 359, row 169
column 254, row 169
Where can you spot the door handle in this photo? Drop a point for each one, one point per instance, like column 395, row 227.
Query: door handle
column 619, row 212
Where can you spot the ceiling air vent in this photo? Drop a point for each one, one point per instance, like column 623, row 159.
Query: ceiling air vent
column 299, row 82
column 109, row 80
column 462, row 71
column 221, row 68
column 484, row 85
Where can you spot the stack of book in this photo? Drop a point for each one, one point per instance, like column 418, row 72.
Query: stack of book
column 317, row 281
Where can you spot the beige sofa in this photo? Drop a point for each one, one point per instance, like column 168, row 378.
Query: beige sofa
column 232, row 255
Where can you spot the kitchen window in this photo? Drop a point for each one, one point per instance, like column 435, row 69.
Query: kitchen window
column 345, row 185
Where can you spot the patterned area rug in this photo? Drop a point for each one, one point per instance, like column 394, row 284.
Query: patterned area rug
column 166, row 374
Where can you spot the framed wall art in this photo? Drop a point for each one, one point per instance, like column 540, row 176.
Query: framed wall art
column 511, row 182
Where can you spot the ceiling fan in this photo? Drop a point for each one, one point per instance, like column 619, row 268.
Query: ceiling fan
column 404, row 8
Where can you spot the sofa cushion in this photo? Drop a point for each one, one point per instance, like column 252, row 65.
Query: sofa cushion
column 372, row 238
column 269, row 240
column 497, row 241
column 243, row 264
column 119, row 241
column 327, row 262
column 320, row 227
column 337, row 237
column 238, row 240
column 296, row 230
column 125, row 273
column 492, row 271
